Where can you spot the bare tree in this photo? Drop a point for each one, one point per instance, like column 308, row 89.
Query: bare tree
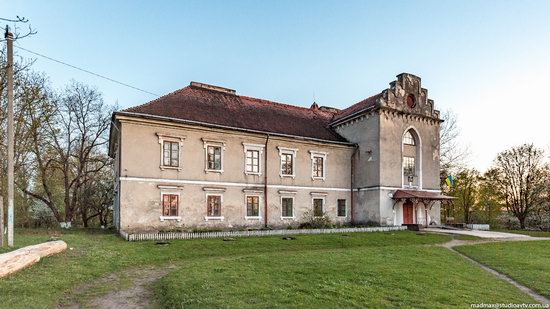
column 521, row 179
column 452, row 155
column 80, row 130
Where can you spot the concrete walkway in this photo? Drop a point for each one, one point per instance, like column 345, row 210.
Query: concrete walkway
column 491, row 237
column 480, row 234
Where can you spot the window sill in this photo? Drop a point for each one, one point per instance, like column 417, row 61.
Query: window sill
column 318, row 178
column 288, row 218
column 213, row 218
column 213, row 171
column 167, row 218
column 252, row 173
column 253, row 218
column 163, row 167
column 287, row 176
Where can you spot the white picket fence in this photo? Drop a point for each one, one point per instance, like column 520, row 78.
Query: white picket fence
column 254, row 233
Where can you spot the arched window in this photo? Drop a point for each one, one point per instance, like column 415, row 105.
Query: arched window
column 408, row 139
column 411, row 158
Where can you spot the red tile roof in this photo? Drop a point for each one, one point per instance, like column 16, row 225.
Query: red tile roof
column 220, row 106
column 366, row 103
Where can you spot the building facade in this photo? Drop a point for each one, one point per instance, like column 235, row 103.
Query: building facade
column 204, row 157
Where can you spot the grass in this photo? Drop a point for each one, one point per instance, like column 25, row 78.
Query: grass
column 528, row 262
column 378, row 269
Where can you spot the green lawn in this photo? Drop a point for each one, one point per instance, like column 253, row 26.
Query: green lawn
column 527, row 262
column 377, row 269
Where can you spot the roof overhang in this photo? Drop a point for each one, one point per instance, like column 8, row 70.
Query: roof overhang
column 420, row 195
column 223, row 127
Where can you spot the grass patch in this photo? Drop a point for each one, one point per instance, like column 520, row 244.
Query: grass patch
column 528, row 262
column 96, row 254
column 466, row 237
column 378, row 269
column 412, row 276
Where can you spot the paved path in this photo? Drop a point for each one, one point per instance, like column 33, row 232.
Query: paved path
column 480, row 234
column 488, row 238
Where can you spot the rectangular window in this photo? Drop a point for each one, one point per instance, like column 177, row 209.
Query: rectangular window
column 214, row 157
column 408, row 166
column 170, row 205
column 318, row 167
column 252, row 206
column 318, row 207
column 214, row 206
column 341, row 208
column 287, row 164
column 287, row 207
column 170, row 154
column 253, row 161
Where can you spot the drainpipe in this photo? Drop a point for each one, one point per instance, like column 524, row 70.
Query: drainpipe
column 352, row 182
column 265, row 181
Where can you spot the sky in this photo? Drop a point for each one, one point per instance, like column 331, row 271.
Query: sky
column 486, row 61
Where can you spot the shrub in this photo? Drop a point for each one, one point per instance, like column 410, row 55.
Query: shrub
column 310, row 221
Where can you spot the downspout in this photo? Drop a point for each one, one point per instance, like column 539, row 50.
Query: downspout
column 265, row 181
column 352, row 182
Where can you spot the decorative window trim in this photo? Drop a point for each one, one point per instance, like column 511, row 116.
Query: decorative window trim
column 260, row 149
column 418, row 159
column 345, row 208
column 318, row 194
column 162, row 137
column 292, row 151
column 215, row 143
column 318, row 197
column 318, row 154
column 163, row 218
column 214, row 218
column 293, row 208
column 166, row 187
column 259, row 216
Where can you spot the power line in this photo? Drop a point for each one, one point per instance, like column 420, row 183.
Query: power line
column 86, row 71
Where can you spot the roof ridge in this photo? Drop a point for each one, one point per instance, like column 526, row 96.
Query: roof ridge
column 285, row 104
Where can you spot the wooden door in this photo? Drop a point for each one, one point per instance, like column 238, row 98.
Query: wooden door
column 408, row 210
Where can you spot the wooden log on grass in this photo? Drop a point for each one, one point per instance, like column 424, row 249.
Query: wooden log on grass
column 16, row 260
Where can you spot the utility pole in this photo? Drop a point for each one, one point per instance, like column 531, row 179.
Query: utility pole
column 9, row 41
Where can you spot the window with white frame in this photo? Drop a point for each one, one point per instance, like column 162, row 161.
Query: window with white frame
column 170, row 204
column 341, row 210
column 252, row 159
column 318, row 164
column 252, row 206
column 214, row 155
column 287, row 207
column 213, row 206
column 318, row 205
column 170, row 154
column 288, row 162
column 170, row 146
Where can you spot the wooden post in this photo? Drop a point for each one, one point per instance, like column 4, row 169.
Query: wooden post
column 9, row 42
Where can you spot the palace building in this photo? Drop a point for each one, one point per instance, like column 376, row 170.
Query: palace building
column 205, row 157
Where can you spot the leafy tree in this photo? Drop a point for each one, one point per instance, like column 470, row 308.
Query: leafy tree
column 465, row 190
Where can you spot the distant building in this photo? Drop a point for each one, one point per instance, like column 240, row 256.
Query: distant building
column 205, row 157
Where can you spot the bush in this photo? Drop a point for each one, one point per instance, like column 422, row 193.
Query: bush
column 311, row 221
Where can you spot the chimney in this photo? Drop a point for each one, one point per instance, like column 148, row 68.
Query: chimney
column 212, row 87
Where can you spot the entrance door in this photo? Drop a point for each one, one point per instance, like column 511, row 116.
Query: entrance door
column 408, row 212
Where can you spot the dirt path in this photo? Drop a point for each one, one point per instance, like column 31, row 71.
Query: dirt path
column 133, row 290
column 455, row 242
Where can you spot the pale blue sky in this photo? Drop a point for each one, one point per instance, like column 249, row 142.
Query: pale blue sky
column 486, row 60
